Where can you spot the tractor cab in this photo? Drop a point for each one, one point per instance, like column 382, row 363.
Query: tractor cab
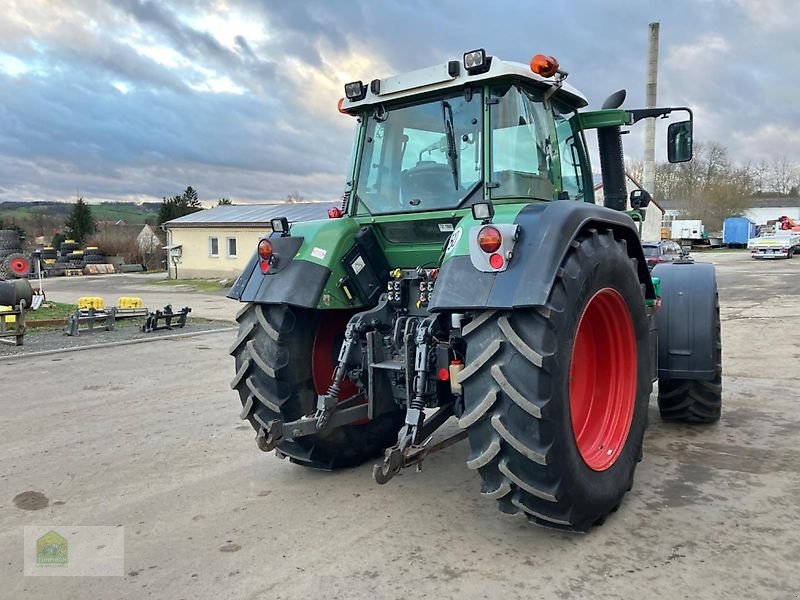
column 444, row 138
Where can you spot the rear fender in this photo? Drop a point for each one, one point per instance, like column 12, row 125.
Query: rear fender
column 546, row 231
column 687, row 321
column 306, row 267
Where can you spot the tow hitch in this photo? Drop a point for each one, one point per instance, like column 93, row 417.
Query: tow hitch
column 405, row 454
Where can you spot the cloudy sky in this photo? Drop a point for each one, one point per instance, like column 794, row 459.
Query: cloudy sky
column 135, row 100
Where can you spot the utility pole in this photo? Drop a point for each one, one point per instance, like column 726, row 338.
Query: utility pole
column 649, row 175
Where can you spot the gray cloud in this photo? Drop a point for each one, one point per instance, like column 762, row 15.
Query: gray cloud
column 270, row 127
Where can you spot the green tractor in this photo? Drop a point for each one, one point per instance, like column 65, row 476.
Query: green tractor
column 470, row 274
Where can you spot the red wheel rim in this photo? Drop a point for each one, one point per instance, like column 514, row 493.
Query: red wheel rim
column 325, row 352
column 20, row 266
column 602, row 379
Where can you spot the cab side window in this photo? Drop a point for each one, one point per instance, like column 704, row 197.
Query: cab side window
column 521, row 165
column 570, row 151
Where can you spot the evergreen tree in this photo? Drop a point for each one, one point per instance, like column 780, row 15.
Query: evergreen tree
column 178, row 206
column 80, row 223
column 224, row 202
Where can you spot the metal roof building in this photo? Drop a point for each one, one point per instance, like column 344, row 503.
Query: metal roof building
column 237, row 215
column 218, row 242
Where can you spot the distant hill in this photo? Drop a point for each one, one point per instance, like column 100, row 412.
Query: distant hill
column 106, row 211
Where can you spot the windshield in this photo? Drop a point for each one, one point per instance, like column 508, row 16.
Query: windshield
column 650, row 251
column 421, row 157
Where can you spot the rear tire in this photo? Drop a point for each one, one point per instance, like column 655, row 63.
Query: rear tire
column 520, row 403
column 275, row 358
column 694, row 401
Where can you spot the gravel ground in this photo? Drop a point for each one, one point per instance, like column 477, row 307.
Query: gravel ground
column 38, row 340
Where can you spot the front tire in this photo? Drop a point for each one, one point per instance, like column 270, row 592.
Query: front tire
column 556, row 397
column 283, row 354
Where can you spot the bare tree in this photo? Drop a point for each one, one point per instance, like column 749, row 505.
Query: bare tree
column 783, row 176
column 761, row 177
column 294, row 198
column 709, row 187
column 635, row 168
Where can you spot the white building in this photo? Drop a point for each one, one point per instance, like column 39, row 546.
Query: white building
column 763, row 209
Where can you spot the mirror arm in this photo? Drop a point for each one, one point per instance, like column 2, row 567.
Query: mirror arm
column 643, row 113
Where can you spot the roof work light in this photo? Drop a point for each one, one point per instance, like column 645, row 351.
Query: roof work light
column 475, row 60
column 355, row 91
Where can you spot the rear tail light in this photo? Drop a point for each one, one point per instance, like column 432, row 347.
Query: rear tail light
column 265, row 250
column 265, row 254
column 489, row 240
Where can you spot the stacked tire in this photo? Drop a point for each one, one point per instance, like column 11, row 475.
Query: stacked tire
column 49, row 255
column 68, row 246
column 76, row 256
column 93, row 256
column 12, row 262
column 9, row 242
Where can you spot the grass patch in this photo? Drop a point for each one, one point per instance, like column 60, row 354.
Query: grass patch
column 51, row 310
column 197, row 285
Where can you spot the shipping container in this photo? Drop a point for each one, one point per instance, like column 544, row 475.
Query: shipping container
column 736, row 231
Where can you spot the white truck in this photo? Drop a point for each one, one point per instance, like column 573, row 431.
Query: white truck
column 775, row 244
column 687, row 229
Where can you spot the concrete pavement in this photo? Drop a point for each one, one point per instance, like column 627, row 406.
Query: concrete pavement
column 151, row 441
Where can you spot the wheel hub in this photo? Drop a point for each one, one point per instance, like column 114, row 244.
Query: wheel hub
column 602, row 379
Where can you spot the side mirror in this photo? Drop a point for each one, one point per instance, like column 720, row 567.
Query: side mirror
column 640, row 199
column 679, row 142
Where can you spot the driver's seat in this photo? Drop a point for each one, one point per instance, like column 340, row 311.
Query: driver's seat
column 429, row 182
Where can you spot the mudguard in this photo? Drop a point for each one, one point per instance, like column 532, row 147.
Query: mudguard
column 305, row 268
column 687, row 321
column 289, row 281
column 545, row 233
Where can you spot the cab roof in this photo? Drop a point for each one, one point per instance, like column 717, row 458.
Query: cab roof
column 440, row 77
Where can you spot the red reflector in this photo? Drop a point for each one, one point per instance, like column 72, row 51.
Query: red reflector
column 444, row 374
column 265, row 250
column 496, row 261
column 489, row 239
column 264, row 266
column 334, row 213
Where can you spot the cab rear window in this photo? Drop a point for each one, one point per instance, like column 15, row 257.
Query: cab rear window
column 407, row 232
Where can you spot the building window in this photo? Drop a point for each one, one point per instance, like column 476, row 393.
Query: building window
column 231, row 242
column 213, row 246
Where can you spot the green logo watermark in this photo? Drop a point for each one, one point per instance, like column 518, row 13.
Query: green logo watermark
column 51, row 549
